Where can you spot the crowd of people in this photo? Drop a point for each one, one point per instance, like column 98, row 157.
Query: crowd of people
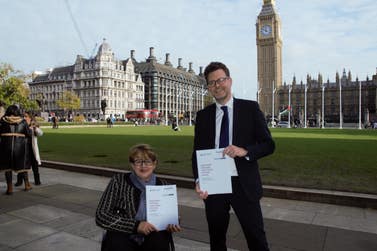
column 19, row 147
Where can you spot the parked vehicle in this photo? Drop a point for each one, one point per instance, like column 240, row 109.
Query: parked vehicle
column 142, row 114
column 283, row 124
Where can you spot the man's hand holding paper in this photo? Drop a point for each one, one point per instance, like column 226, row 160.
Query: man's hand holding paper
column 215, row 170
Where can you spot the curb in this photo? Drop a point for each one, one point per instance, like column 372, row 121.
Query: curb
column 291, row 193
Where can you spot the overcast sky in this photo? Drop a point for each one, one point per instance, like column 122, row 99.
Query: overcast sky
column 318, row 36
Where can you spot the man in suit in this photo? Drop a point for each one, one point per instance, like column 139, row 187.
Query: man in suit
column 240, row 128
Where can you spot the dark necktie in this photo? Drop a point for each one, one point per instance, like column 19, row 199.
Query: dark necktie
column 224, row 132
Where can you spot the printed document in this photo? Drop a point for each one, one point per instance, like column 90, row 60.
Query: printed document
column 162, row 206
column 215, row 171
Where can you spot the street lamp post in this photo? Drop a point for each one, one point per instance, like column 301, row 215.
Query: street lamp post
column 306, row 100
column 179, row 92
column 323, row 106
column 340, row 107
column 273, row 104
column 289, row 105
column 360, row 105
column 166, row 102
column 191, row 97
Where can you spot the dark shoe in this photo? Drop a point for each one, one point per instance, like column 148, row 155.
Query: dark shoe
column 37, row 180
column 20, row 177
column 18, row 183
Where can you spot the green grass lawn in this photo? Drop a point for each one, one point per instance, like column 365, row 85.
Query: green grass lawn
column 325, row 159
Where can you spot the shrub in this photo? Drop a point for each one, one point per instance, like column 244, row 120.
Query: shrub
column 79, row 119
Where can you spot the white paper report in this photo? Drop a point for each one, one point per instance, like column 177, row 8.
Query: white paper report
column 215, row 171
column 162, row 205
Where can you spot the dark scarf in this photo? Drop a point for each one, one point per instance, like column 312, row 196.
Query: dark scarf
column 141, row 214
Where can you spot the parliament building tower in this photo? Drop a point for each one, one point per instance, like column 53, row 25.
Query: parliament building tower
column 269, row 45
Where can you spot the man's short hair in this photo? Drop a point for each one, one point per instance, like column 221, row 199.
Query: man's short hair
column 214, row 66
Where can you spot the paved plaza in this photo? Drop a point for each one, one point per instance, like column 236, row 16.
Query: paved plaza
column 59, row 215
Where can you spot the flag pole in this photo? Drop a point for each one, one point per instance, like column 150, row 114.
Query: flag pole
column 289, row 105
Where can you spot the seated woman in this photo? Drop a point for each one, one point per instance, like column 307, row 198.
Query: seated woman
column 122, row 208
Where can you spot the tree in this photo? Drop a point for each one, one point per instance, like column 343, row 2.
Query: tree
column 13, row 89
column 69, row 101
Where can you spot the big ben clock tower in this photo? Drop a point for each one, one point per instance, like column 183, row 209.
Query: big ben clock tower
column 269, row 45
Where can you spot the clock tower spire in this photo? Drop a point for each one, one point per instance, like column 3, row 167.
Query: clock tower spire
column 269, row 60
column 269, row 2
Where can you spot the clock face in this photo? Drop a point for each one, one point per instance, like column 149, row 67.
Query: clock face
column 266, row 30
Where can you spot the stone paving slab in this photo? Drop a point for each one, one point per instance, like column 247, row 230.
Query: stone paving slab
column 296, row 236
column 287, row 215
column 189, row 245
column 16, row 233
column 5, row 218
column 40, row 213
column 61, row 241
column 344, row 222
column 54, row 190
column 5, row 248
column 339, row 239
column 85, row 228
column 82, row 196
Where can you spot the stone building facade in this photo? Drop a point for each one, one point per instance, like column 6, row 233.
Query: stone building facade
column 124, row 85
column 172, row 91
column 335, row 102
column 95, row 80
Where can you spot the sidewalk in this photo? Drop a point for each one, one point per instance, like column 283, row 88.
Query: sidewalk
column 59, row 215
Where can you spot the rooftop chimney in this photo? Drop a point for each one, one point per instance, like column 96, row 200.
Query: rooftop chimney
column 151, row 58
column 179, row 64
column 201, row 71
column 167, row 60
column 190, row 68
column 132, row 54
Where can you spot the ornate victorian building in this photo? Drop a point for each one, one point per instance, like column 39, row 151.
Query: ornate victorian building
column 95, row 80
column 123, row 85
column 335, row 102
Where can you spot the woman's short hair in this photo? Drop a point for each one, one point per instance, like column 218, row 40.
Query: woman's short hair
column 13, row 110
column 142, row 150
column 32, row 118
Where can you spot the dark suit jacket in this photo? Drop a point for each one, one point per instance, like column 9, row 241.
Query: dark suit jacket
column 250, row 132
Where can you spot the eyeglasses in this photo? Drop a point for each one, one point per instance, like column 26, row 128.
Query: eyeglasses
column 140, row 162
column 217, row 81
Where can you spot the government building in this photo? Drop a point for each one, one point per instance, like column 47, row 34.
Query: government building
column 122, row 85
column 315, row 102
column 330, row 102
